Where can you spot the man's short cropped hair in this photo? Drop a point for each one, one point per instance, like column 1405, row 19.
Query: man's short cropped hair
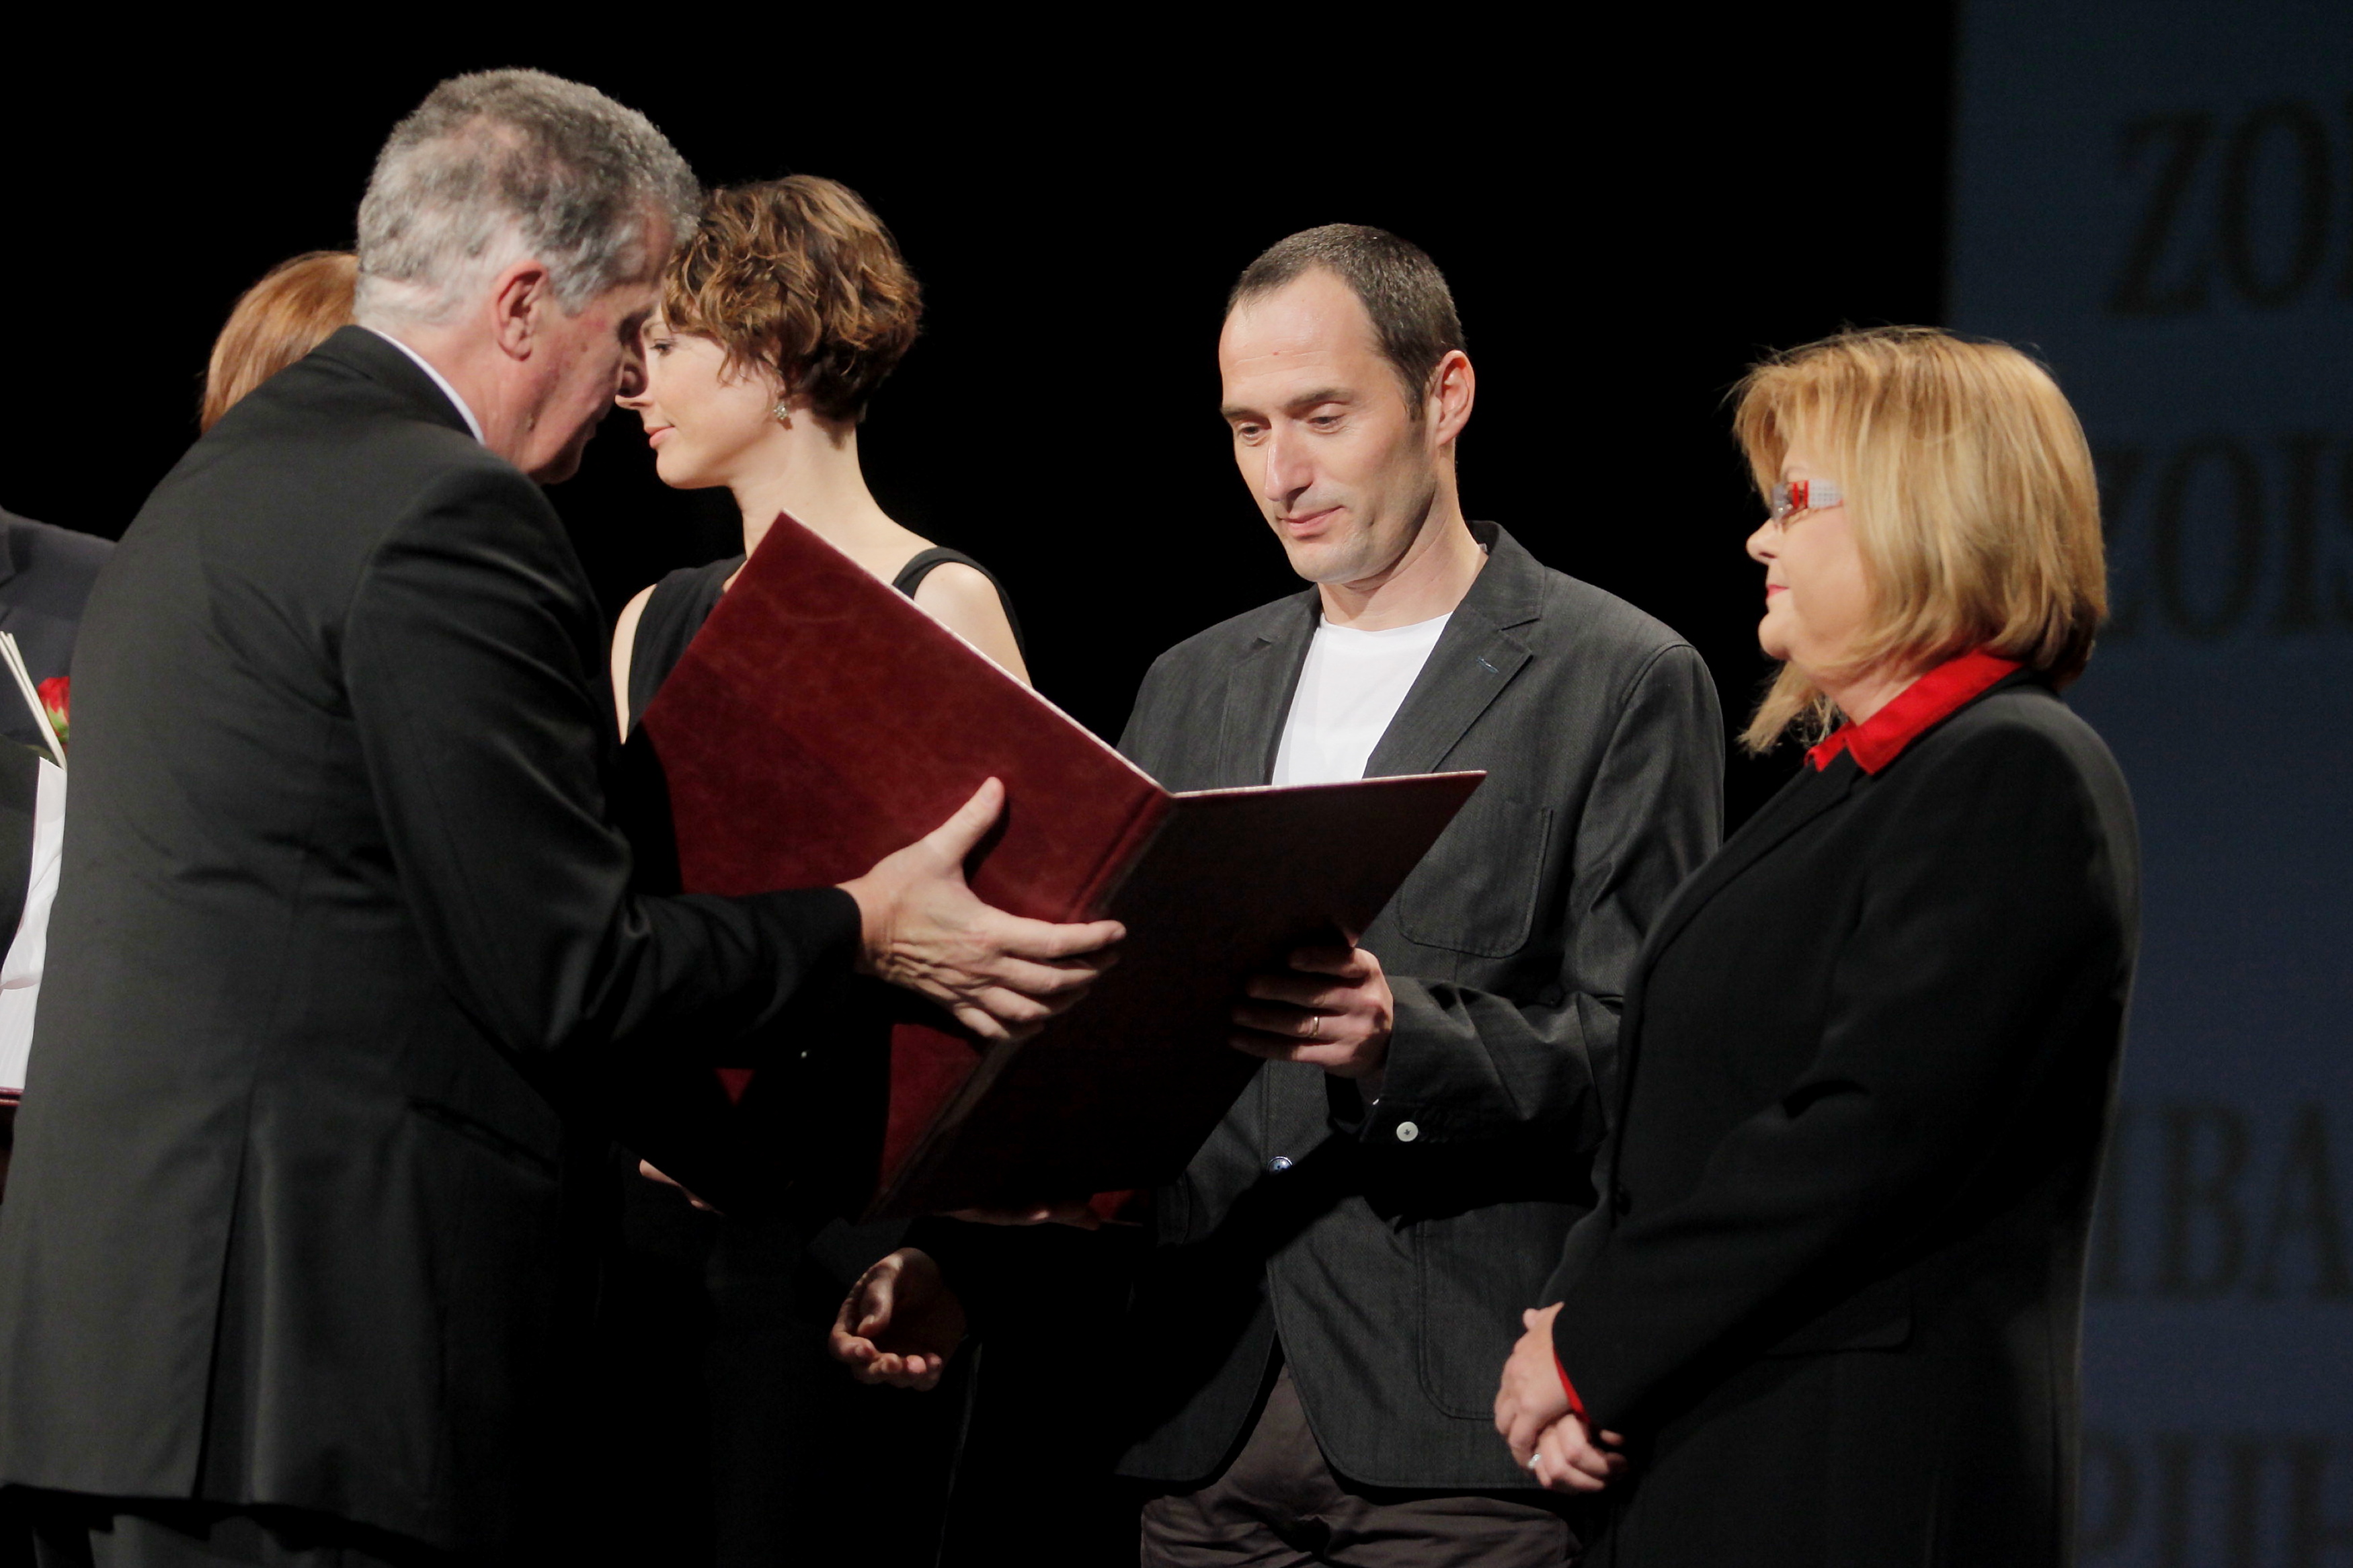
column 799, row 277
column 1399, row 286
column 1969, row 488
column 505, row 165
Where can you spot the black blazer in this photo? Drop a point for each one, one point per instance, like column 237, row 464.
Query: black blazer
column 1394, row 1259
column 1834, row 1296
column 342, row 920
column 46, row 575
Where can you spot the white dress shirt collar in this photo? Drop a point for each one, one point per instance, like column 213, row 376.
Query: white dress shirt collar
column 438, row 380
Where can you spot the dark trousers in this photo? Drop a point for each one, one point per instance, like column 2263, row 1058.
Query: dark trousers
column 70, row 1531
column 1278, row 1505
column 1035, row 1483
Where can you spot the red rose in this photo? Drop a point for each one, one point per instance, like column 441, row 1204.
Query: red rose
column 53, row 696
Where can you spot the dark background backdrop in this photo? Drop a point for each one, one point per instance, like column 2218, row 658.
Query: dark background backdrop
column 2153, row 192
column 1628, row 220
column 1624, row 229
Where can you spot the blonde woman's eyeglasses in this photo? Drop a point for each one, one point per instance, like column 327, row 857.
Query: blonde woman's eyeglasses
column 1792, row 496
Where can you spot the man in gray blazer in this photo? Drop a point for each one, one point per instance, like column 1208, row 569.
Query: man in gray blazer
column 1342, row 1269
column 1309, row 1374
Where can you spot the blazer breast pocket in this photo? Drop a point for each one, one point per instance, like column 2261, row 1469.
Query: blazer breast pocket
column 1475, row 891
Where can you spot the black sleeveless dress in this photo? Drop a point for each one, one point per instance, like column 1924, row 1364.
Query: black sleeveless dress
column 769, row 1454
column 682, row 601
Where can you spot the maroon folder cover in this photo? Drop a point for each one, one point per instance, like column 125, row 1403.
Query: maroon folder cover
column 821, row 720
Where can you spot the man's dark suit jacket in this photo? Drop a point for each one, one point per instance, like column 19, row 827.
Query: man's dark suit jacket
column 46, row 575
column 1394, row 1249
column 341, row 915
column 1835, row 1298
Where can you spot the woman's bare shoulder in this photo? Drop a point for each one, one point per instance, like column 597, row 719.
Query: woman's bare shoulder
column 952, row 585
column 965, row 600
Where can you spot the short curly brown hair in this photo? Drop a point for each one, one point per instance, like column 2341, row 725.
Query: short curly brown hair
column 799, row 275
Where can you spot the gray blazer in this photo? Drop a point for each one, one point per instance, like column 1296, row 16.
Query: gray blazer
column 1388, row 1249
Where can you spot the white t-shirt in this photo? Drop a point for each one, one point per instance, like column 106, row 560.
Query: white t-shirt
column 20, row 972
column 1352, row 685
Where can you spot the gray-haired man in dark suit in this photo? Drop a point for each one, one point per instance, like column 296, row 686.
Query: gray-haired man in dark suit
column 1340, row 1272
column 346, row 932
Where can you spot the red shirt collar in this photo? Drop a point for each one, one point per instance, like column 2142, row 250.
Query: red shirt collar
column 1934, row 696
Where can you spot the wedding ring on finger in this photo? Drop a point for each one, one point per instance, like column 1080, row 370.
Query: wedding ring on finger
column 1315, row 1026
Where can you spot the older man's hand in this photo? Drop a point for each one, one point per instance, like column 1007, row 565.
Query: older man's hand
column 921, row 928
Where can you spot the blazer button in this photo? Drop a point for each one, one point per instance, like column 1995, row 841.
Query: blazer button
column 1408, row 1132
column 1278, row 1164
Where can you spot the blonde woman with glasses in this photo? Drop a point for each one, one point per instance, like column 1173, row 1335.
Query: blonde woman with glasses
column 1827, row 1311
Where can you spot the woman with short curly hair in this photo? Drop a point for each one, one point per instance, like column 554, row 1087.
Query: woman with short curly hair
column 778, row 322
column 779, row 319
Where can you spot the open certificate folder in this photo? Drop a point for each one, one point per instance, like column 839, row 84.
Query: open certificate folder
column 821, row 720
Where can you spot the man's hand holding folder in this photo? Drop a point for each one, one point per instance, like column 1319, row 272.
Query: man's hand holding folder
column 999, row 975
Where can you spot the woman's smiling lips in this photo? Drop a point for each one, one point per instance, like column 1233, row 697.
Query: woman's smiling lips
column 654, row 436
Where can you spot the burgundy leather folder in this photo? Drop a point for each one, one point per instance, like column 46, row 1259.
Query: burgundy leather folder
column 821, row 720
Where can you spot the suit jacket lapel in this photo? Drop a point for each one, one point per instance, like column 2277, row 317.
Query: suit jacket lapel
column 1473, row 661
column 1471, row 665
column 1782, row 816
column 1801, row 801
column 1805, row 798
column 1258, row 696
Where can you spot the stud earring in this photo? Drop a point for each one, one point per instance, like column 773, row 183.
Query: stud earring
column 781, row 413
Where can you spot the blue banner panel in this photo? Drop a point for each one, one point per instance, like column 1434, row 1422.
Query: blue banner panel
column 2158, row 199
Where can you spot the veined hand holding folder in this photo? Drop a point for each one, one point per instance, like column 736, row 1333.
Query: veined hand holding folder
column 821, row 720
